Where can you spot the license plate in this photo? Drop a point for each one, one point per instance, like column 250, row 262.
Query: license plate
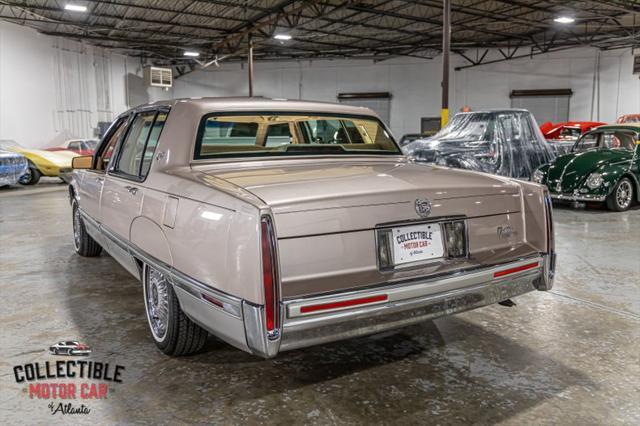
column 416, row 243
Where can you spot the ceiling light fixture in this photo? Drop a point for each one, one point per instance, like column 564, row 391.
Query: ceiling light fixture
column 75, row 7
column 564, row 20
column 282, row 37
column 192, row 54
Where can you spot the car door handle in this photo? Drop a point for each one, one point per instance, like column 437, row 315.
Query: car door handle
column 131, row 189
column 99, row 179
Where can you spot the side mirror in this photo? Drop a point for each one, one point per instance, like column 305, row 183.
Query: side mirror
column 82, row 162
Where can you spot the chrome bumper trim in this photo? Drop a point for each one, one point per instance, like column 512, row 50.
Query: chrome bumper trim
column 258, row 340
column 408, row 304
column 405, row 290
column 573, row 197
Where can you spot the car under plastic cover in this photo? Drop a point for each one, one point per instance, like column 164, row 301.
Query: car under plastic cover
column 12, row 167
column 505, row 142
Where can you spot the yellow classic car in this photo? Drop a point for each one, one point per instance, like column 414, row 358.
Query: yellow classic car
column 42, row 163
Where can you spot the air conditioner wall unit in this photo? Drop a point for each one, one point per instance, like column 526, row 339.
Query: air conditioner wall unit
column 158, row 77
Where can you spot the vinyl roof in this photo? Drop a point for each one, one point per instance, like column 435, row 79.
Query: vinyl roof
column 379, row 29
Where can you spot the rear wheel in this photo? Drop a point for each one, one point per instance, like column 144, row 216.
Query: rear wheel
column 84, row 244
column 173, row 332
column 31, row 176
column 621, row 197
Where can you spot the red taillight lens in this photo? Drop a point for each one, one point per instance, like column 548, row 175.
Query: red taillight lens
column 269, row 274
column 516, row 269
column 344, row 303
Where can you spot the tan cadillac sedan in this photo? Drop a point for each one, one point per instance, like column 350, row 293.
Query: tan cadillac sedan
column 276, row 224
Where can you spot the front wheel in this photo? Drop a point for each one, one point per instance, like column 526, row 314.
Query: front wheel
column 84, row 244
column 621, row 197
column 172, row 331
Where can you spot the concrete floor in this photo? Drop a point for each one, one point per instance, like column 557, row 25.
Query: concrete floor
column 570, row 356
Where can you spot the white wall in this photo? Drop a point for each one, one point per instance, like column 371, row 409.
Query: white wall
column 415, row 85
column 488, row 86
column 51, row 88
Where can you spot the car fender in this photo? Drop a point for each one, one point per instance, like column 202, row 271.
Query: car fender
column 613, row 172
column 544, row 169
column 38, row 162
column 76, row 180
column 148, row 236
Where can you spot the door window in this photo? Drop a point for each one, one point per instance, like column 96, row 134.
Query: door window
column 108, row 146
column 136, row 153
column 130, row 156
column 588, row 141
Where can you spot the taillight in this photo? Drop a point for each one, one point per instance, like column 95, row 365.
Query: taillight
column 269, row 276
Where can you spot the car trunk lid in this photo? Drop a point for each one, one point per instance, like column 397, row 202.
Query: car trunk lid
column 324, row 196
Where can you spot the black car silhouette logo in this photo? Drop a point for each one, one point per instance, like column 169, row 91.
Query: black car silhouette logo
column 70, row 348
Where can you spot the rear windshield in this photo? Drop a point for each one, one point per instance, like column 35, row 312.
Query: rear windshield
column 271, row 134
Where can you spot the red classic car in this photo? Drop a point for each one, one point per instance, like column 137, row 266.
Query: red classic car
column 79, row 146
column 629, row 118
column 569, row 130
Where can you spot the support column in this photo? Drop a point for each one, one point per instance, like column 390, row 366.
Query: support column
column 446, row 47
column 250, row 66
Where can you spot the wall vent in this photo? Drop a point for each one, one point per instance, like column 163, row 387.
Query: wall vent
column 158, row 77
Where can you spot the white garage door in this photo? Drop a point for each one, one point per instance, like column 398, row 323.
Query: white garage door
column 545, row 105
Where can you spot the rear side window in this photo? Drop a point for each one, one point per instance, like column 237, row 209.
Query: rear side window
column 158, row 125
column 136, row 152
column 619, row 140
column 130, row 157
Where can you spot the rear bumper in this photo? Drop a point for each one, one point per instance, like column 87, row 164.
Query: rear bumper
column 326, row 320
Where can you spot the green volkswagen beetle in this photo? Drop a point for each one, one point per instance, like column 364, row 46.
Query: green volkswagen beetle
column 603, row 166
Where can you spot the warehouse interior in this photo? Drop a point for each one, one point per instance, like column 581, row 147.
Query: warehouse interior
column 570, row 355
